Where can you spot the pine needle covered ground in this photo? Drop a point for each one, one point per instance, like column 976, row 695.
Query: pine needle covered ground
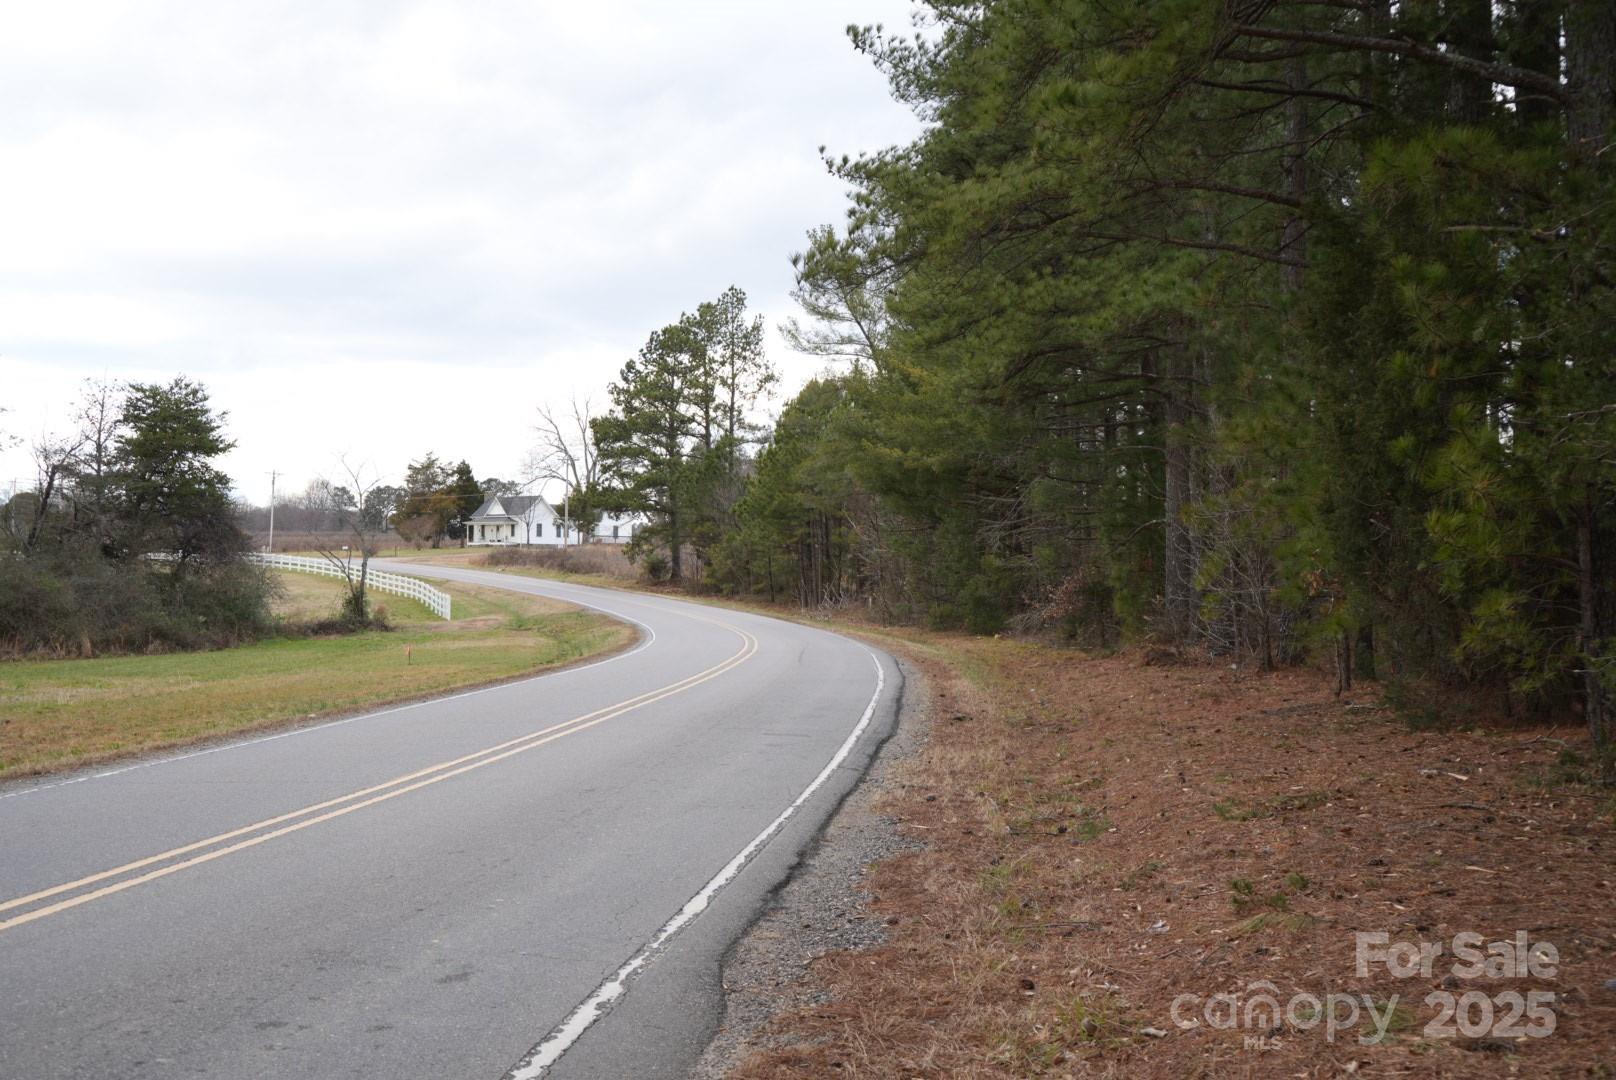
column 1104, row 835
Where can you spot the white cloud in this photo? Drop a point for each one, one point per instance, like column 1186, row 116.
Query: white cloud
column 443, row 212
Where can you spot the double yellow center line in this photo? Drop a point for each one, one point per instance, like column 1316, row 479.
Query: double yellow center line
column 172, row 861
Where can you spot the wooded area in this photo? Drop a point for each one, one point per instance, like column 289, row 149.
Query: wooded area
column 130, row 540
column 1282, row 329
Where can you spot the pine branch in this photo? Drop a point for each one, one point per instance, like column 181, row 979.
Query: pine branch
column 1263, row 87
column 1260, row 194
column 1506, row 74
column 1203, row 245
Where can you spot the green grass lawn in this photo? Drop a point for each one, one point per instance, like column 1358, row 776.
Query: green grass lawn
column 59, row 713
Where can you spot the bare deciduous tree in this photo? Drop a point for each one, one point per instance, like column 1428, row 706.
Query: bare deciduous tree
column 347, row 501
column 54, row 460
column 92, row 493
column 566, row 447
column 565, row 453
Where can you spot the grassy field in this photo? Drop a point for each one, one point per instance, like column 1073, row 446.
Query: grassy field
column 606, row 581
column 451, row 555
column 56, row 714
column 308, row 598
column 594, row 564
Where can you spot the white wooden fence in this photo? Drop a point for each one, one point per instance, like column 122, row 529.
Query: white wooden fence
column 435, row 599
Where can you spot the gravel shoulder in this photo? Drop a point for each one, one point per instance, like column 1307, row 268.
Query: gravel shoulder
column 824, row 906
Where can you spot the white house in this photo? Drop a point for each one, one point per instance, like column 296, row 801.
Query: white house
column 529, row 519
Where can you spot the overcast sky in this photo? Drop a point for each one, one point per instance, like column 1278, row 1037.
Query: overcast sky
column 378, row 229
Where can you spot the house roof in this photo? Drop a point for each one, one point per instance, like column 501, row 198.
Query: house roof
column 515, row 506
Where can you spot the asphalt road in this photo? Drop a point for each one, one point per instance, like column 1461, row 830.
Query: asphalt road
column 534, row 879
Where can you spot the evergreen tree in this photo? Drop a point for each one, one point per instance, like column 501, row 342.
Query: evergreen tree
column 646, row 444
column 428, row 505
column 464, row 495
column 171, row 497
column 1269, row 328
column 673, row 445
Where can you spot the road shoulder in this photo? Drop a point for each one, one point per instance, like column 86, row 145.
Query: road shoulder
column 823, row 906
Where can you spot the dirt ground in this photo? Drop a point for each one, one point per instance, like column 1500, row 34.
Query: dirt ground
column 1124, row 862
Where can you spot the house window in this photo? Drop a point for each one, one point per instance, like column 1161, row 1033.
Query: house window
column 538, row 530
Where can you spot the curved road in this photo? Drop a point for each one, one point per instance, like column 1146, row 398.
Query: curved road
column 538, row 878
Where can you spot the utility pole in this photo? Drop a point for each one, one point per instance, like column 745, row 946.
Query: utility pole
column 272, row 475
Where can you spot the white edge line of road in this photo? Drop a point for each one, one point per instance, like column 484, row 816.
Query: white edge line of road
column 592, row 1008
column 646, row 642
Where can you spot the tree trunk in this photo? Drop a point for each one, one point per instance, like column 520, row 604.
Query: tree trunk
column 675, row 543
column 1470, row 32
column 1365, row 652
column 1293, row 241
column 1376, row 70
column 1535, row 44
column 1591, row 631
column 1179, row 568
column 46, row 490
column 1343, row 663
column 1590, row 62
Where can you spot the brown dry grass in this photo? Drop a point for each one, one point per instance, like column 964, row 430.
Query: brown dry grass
column 302, row 542
column 1105, row 835
column 604, row 561
column 306, row 598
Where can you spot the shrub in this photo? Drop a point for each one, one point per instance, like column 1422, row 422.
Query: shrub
column 77, row 602
column 604, row 559
column 657, row 566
